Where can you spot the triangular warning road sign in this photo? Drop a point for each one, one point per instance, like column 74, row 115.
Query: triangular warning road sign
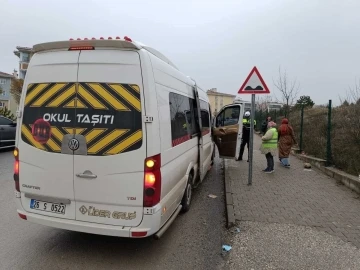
column 254, row 84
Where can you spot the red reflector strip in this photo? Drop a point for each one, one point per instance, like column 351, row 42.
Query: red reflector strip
column 138, row 234
column 22, row 216
column 205, row 132
column 83, row 48
column 180, row 140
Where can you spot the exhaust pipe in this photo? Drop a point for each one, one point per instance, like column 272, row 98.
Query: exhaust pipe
column 168, row 223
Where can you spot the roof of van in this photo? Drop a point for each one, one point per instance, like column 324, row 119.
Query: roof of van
column 105, row 43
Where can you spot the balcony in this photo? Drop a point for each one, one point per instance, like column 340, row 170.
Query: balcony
column 24, row 66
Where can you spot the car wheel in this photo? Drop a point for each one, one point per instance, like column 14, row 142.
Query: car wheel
column 186, row 200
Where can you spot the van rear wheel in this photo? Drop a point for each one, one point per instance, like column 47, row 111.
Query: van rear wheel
column 186, row 200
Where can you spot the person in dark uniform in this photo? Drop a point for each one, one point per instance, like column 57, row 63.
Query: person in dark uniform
column 246, row 134
column 264, row 126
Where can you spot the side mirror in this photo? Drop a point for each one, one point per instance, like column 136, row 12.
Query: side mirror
column 13, row 124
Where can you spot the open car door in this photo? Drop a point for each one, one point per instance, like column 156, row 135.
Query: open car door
column 227, row 130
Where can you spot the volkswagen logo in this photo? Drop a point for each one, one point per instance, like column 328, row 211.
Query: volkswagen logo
column 73, row 144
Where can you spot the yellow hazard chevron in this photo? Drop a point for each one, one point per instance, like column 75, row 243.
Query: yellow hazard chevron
column 86, row 98
column 126, row 143
column 99, row 96
column 111, row 99
column 105, row 141
column 131, row 99
column 48, row 94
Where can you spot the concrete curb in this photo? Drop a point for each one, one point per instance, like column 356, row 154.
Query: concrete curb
column 229, row 202
column 348, row 180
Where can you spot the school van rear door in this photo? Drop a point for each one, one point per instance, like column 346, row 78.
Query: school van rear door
column 110, row 142
column 46, row 166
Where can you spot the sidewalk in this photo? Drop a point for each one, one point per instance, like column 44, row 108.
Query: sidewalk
column 293, row 211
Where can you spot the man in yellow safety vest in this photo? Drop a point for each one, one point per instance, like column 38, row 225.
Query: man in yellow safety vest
column 246, row 134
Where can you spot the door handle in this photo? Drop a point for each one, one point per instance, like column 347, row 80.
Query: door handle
column 2, row 128
column 87, row 174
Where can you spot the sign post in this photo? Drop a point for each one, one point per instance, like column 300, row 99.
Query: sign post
column 254, row 84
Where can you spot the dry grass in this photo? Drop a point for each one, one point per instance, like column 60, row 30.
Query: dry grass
column 345, row 135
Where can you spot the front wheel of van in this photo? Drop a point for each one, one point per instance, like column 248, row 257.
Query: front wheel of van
column 186, row 200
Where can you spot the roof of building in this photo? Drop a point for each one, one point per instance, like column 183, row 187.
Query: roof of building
column 5, row 75
column 21, row 49
column 219, row 94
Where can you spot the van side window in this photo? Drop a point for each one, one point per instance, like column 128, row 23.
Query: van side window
column 194, row 118
column 181, row 118
column 205, row 117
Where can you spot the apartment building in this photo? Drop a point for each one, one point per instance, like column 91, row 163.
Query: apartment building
column 217, row 100
column 24, row 54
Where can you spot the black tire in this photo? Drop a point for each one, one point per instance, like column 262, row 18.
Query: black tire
column 186, row 200
column 212, row 157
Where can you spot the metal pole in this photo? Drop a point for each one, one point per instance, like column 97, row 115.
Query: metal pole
column 301, row 127
column 328, row 143
column 251, row 146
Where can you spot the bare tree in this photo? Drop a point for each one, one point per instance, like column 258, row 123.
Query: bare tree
column 353, row 93
column 16, row 88
column 289, row 90
column 262, row 102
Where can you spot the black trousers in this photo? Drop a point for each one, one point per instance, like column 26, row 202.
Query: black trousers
column 244, row 141
column 270, row 161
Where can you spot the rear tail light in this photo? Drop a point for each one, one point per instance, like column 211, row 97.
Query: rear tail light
column 152, row 181
column 138, row 234
column 22, row 216
column 16, row 169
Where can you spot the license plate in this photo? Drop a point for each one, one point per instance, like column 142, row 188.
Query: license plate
column 57, row 208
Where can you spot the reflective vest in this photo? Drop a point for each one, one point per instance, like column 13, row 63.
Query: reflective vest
column 246, row 122
column 272, row 143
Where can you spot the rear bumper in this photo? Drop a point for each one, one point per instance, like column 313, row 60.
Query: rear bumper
column 149, row 224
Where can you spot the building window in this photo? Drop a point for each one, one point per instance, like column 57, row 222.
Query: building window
column 2, row 104
column 25, row 57
column 3, row 81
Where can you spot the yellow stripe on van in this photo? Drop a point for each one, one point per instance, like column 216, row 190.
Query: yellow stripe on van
column 115, row 134
column 74, row 130
column 35, row 92
column 102, row 92
column 48, row 94
column 57, row 134
column 95, row 103
column 75, row 103
column 60, row 99
column 26, row 132
column 94, row 133
column 128, row 142
column 135, row 87
column 133, row 101
column 53, row 145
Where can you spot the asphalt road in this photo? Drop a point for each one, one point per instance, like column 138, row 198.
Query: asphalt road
column 192, row 242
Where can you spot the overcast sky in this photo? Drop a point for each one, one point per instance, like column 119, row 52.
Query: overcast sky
column 215, row 42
